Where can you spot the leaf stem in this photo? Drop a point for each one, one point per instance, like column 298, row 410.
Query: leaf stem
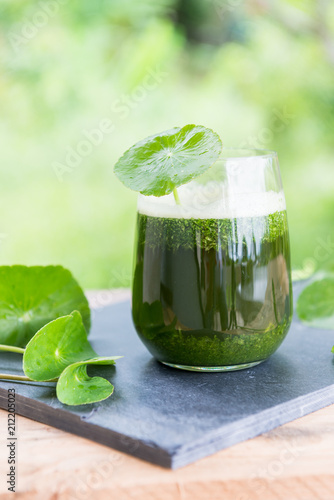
column 11, row 348
column 176, row 196
column 7, row 376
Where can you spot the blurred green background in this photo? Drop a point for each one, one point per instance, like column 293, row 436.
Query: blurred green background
column 260, row 73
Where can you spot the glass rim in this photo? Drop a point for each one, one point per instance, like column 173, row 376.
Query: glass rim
column 235, row 154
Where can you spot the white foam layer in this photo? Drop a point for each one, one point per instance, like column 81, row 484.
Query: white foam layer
column 211, row 201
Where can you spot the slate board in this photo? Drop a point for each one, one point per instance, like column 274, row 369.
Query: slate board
column 172, row 417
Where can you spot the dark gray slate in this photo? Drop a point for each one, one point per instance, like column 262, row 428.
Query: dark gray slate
column 171, row 417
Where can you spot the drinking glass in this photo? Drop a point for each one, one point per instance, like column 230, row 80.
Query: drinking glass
column 212, row 279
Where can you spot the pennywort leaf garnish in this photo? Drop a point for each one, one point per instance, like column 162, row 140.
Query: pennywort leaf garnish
column 55, row 346
column 30, row 297
column 75, row 387
column 160, row 163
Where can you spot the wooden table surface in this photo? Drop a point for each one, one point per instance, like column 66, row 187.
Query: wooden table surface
column 294, row 461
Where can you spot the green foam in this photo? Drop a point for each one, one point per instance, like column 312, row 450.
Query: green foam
column 209, row 234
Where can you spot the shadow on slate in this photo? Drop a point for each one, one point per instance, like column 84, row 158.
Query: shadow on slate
column 171, row 417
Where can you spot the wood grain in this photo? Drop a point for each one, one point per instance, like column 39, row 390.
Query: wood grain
column 293, row 462
column 296, row 461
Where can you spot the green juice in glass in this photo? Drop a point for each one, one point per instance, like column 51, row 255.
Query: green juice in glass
column 213, row 293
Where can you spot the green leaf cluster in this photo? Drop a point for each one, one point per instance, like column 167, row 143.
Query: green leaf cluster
column 59, row 350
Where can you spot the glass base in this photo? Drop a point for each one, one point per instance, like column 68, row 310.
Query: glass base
column 230, row 368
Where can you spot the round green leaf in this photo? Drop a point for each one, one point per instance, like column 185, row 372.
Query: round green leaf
column 55, row 346
column 30, row 297
column 158, row 164
column 315, row 304
column 75, row 387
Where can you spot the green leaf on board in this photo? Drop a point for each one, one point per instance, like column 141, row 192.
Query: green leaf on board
column 30, row 297
column 160, row 163
column 76, row 387
column 55, row 346
column 315, row 305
